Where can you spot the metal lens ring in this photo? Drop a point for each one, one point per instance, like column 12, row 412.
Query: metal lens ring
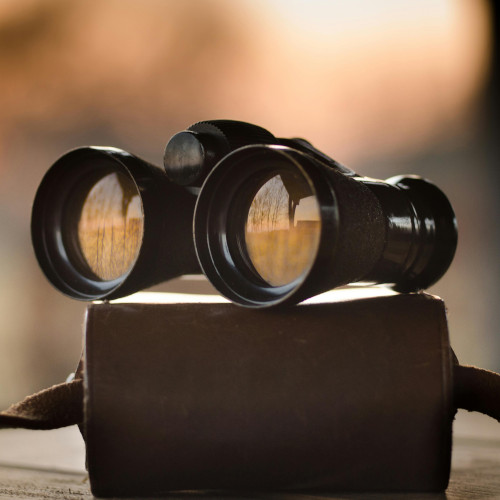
column 88, row 222
column 258, row 225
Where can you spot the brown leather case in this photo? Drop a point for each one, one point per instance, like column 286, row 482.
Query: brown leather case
column 351, row 395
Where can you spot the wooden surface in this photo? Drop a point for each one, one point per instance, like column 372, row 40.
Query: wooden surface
column 50, row 465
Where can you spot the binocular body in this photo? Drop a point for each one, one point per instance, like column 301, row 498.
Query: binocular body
column 268, row 220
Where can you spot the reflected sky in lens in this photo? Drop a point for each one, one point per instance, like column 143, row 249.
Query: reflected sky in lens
column 110, row 227
column 282, row 233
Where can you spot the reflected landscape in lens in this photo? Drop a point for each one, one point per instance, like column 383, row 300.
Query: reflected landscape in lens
column 110, row 227
column 283, row 229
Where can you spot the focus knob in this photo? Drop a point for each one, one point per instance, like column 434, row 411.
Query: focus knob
column 191, row 154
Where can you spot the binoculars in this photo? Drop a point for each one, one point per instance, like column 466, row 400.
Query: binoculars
column 268, row 220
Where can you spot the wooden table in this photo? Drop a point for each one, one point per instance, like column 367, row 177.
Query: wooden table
column 50, row 465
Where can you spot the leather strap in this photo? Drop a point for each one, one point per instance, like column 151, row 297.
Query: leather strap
column 58, row 406
column 476, row 389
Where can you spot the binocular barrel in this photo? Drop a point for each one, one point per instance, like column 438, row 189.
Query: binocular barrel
column 274, row 225
column 106, row 224
column 275, row 221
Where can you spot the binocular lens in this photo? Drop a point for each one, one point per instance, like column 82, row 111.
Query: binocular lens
column 107, row 225
column 102, row 225
column 258, row 224
column 281, row 230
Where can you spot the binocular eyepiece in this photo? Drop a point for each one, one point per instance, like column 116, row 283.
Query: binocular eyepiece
column 275, row 221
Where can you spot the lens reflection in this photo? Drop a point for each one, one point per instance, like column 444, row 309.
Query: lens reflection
column 110, row 226
column 283, row 229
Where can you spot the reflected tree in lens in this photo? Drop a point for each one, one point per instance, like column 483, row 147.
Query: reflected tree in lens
column 110, row 227
column 283, row 229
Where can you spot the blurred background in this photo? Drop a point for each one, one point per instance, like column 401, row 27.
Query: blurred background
column 386, row 87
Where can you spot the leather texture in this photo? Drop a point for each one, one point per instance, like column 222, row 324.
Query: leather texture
column 58, row 406
column 341, row 396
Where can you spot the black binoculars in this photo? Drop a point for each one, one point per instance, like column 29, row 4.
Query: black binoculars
column 268, row 220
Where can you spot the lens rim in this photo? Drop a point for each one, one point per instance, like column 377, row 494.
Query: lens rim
column 48, row 217
column 218, row 218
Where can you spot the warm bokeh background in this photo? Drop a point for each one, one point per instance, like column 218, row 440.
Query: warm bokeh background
column 385, row 87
